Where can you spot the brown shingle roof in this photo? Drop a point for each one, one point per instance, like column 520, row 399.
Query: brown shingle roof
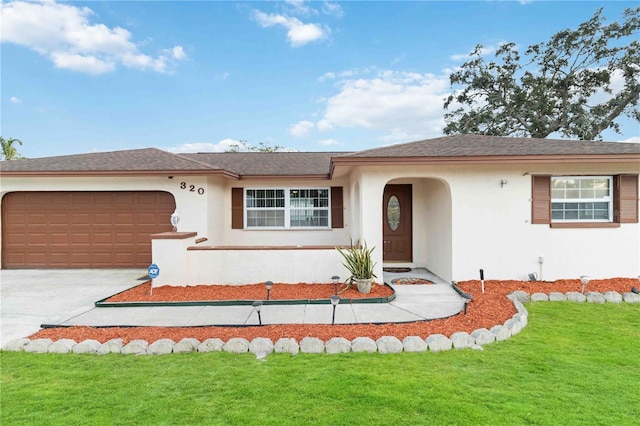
column 270, row 163
column 480, row 145
column 473, row 148
column 135, row 160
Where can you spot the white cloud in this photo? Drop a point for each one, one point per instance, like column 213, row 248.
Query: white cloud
column 298, row 33
column 403, row 105
column 178, row 53
column 633, row 139
column 298, row 7
column 15, row 100
column 330, row 75
column 64, row 34
column 301, row 128
column 329, row 142
column 484, row 51
column 332, row 9
column 221, row 76
column 222, row 146
column 324, row 124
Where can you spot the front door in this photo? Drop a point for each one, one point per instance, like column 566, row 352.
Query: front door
column 397, row 227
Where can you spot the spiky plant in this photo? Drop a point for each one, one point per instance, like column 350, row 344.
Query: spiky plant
column 357, row 260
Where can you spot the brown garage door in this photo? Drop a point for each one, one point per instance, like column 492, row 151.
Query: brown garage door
column 82, row 229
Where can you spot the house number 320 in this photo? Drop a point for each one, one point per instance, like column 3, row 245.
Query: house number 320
column 191, row 188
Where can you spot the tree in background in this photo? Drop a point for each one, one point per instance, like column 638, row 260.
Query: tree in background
column 576, row 84
column 9, row 152
column 262, row 147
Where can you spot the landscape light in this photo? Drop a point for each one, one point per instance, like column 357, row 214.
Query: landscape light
column 269, row 284
column 336, row 280
column 257, row 305
column 335, row 299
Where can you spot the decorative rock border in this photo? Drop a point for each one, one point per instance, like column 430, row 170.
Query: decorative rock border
column 262, row 346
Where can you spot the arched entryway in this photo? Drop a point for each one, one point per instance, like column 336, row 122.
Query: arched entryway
column 417, row 224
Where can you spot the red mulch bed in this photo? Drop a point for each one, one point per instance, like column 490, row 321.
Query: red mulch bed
column 486, row 310
column 143, row 293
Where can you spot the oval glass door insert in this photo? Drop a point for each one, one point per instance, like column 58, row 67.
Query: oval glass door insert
column 393, row 213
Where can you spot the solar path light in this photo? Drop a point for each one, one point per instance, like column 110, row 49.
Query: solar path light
column 336, row 280
column 269, row 284
column 335, row 299
column 257, row 305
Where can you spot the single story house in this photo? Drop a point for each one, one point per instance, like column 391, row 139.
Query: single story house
column 454, row 205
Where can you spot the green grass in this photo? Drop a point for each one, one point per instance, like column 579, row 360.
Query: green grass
column 573, row 364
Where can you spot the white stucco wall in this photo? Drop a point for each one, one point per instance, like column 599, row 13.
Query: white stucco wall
column 463, row 221
column 490, row 225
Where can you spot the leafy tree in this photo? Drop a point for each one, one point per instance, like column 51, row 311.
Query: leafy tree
column 564, row 85
column 262, row 147
column 9, row 152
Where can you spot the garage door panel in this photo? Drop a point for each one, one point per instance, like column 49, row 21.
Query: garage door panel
column 124, row 238
column 103, row 238
column 36, row 219
column 15, row 219
column 38, row 258
column 82, row 229
column 76, row 199
column 147, row 219
column 59, row 219
column 124, row 218
column 55, row 238
column 83, row 239
column 102, row 219
column 36, row 239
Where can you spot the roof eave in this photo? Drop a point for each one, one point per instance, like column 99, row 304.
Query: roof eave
column 125, row 173
column 488, row 159
column 323, row 176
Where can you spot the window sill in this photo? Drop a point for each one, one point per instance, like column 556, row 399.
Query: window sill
column 585, row 225
column 287, row 229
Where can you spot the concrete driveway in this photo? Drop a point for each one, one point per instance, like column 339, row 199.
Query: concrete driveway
column 30, row 297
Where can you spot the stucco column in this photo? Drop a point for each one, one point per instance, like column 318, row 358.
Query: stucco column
column 371, row 192
column 169, row 252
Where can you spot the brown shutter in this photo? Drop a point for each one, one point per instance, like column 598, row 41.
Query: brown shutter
column 625, row 199
column 237, row 208
column 541, row 199
column 337, row 207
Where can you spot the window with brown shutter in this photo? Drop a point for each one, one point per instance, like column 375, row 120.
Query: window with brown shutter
column 286, row 208
column 624, row 200
column 541, row 199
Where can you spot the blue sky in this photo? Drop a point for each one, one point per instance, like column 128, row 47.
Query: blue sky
column 94, row 76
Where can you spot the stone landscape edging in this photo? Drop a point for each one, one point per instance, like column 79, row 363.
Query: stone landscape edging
column 261, row 346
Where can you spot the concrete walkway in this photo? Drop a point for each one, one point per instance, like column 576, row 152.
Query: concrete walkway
column 33, row 297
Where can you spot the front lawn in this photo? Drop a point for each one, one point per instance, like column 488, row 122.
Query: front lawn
column 573, row 364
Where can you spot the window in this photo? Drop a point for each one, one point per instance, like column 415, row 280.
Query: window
column 584, row 201
column 265, row 207
column 581, row 199
column 287, row 208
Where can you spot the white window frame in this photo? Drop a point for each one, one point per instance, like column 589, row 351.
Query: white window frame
column 287, row 208
column 608, row 199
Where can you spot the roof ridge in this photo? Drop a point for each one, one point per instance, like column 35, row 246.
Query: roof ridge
column 201, row 163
